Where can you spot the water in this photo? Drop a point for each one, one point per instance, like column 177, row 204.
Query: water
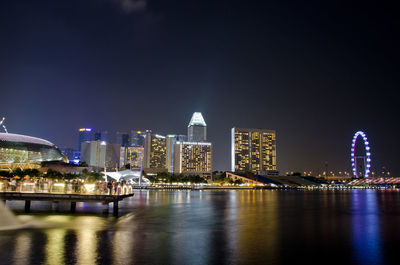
column 213, row 227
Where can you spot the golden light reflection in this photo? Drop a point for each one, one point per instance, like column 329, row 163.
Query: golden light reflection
column 87, row 239
column 23, row 245
column 258, row 225
column 123, row 247
column 55, row 246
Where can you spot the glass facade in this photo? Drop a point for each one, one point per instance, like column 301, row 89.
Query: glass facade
column 15, row 149
column 85, row 135
column 136, row 138
column 122, row 139
column 197, row 128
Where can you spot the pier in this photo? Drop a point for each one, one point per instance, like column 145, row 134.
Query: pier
column 72, row 193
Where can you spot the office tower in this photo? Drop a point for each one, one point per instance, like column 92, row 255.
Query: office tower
column 193, row 158
column 122, row 139
column 171, row 140
column 155, row 152
column 85, row 135
column 197, row 128
column 132, row 156
column 136, row 138
column 100, row 154
column 101, row 136
column 253, row 150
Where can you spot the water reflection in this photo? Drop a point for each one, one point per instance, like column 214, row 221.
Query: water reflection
column 366, row 227
column 55, row 247
column 217, row 227
column 22, row 249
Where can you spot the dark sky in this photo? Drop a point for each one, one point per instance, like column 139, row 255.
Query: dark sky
column 314, row 71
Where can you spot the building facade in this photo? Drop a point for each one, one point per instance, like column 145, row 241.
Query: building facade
column 197, row 128
column 21, row 151
column 132, row 156
column 193, row 158
column 122, row 139
column 253, row 150
column 155, row 152
column 85, row 135
column 100, row 154
column 136, row 138
column 101, row 136
column 171, row 140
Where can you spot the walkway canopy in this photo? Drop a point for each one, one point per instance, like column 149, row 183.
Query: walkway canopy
column 127, row 175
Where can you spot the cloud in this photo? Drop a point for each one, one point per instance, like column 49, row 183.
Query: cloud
column 131, row 6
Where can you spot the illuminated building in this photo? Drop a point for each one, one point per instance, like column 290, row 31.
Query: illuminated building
column 26, row 152
column 193, row 158
column 85, row 135
column 122, row 139
column 100, row 154
column 136, row 138
column 253, row 150
column 155, row 153
column 197, row 128
column 133, row 156
column 171, row 140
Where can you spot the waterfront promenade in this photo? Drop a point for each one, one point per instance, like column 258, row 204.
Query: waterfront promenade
column 72, row 192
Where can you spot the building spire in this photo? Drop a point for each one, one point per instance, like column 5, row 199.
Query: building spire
column 197, row 119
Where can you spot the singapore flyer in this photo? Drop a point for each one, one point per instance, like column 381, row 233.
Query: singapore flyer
column 363, row 161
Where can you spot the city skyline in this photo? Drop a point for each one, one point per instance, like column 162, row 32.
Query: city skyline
column 315, row 73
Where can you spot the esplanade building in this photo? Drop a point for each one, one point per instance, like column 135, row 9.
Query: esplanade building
column 21, row 151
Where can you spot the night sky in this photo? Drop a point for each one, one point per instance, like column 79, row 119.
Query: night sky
column 314, row 71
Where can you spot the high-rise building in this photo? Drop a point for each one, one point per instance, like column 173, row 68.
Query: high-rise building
column 136, row 138
column 122, row 139
column 100, row 154
column 171, row 140
column 197, row 128
column 85, row 135
column 101, row 136
column 193, row 158
column 133, row 156
column 155, row 152
column 253, row 150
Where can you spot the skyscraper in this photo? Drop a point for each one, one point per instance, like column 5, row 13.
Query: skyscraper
column 85, row 135
column 122, row 139
column 193, row 158
column 101, row 136
column 171, row 140
column 253, row 150
column 136, row 138
column 133, row 156
column 100, row 154
column 197, row 128
column 155, row 153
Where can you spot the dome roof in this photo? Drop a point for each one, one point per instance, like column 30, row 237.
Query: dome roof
column 11, row 137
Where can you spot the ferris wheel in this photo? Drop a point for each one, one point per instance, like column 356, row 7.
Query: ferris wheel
column 360, row 161
column 2, row 124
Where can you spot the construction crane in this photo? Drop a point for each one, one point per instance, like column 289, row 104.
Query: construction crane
column 2, row 124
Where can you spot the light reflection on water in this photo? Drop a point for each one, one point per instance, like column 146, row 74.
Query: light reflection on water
column 216, row 227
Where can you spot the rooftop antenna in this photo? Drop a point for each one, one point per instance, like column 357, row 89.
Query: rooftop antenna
column 2, row 124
